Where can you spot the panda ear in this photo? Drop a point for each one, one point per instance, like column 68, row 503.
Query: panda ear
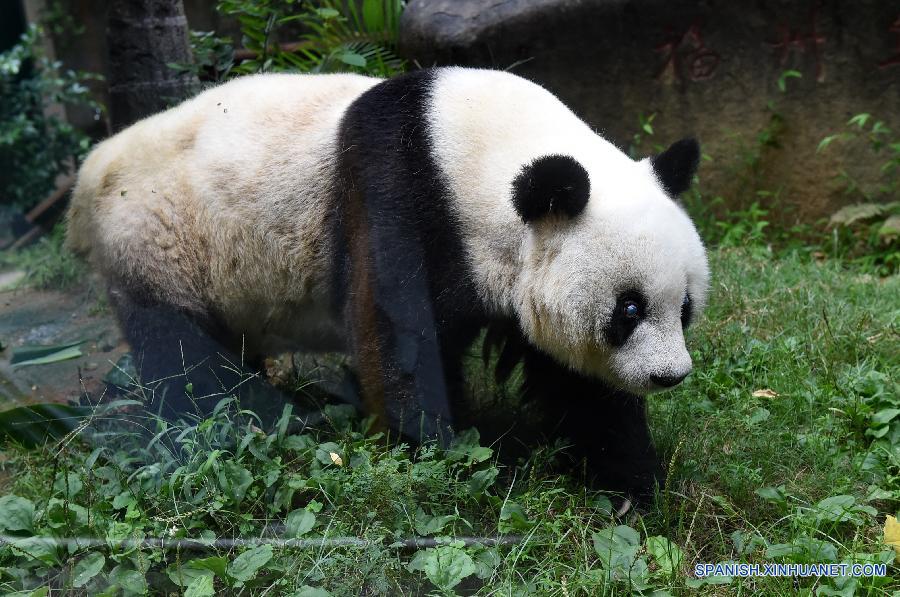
column 552, row 184
column 676, row 166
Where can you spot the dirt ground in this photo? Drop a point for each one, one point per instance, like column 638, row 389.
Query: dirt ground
column 40, row 317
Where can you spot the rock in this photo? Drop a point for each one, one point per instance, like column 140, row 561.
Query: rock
column 108, row 343
column 709, row 69
column 441, row 27
column 9, row 280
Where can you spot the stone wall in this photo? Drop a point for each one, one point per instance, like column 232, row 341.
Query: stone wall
column 708, row 68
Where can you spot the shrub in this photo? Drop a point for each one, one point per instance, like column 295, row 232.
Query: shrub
column 36, row 145
column 307, row 37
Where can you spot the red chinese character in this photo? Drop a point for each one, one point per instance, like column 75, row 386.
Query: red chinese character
column 791, row 40
column 895, row 60
column 701, row 61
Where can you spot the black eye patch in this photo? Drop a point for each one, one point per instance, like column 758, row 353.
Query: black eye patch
column 630, row 310
column 687, row 311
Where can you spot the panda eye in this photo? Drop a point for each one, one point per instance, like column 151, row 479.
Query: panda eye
column 631, row 310
column 626, row 316
column 687, row 311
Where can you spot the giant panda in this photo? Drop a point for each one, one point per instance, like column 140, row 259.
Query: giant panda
column 394, row 220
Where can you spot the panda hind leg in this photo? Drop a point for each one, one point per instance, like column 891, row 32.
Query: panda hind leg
column 184, row 366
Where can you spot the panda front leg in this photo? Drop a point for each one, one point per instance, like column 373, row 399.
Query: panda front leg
column 395, row 342
column 608, row 429
column 184, row 370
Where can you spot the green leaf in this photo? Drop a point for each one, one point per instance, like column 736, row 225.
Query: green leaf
column 185, row 575
column 841, row 508
column 39, row 355
column 16, row 513
column 486, row 563
column 353, row 59
column 132, row 582
column 772, row 494
column 202, row 586
column 848, row 590
column 835, row 508
column 445, row 566
column 878, row 431
column 758, row 415
column 299, row 522
column 298, row 443
column 429, row 525
column 63, row 513
column 234, row 480
column 668, row 555
column 308, row 591
column 617, row 546
column 885, row 416
column 87, row 568
column 42, row 548
column 245, row 566
column 283, row 421
column 782, row 550
column 696, row 583
column 462, row 442
column 859, row 120
column 69, row 485
column 817, row 550
column 215, row 564
column 788, row 74
column 62, row 355
column 512, row 518
column 602, row 504
column 123, row 500
column 324, row 452
column 479, row 454
column 826, row 142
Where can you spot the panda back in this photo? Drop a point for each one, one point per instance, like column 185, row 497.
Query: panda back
column 218, row 202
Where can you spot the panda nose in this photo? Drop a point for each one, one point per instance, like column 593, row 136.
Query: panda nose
column 667, row 381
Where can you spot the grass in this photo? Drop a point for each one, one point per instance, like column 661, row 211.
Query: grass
column 784, row 447
column 47, row 264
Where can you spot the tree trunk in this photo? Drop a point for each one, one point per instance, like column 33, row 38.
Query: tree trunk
column 144, row 36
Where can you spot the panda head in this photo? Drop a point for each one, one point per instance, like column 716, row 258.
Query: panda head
column 613, row 270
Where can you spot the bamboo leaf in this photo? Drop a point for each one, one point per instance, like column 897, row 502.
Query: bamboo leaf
column 36, row 355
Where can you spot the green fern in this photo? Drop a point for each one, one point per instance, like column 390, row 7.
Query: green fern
column 335, row 36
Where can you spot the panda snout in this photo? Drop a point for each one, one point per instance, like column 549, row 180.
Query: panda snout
column 668, row 381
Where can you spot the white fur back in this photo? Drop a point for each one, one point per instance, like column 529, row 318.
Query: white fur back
column 220, row 202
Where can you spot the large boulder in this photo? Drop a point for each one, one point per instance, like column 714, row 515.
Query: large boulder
column 710, row 69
